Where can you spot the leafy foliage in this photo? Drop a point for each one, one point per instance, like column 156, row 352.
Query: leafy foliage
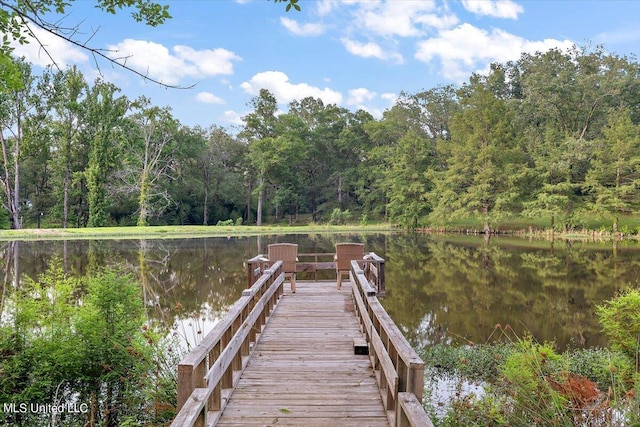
column 291, row 4
column 529, row 383
column 551, row 138
column 84, row 341
column 620, row 319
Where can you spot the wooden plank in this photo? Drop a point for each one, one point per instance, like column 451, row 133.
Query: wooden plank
column 283, row 420
column 304, row 370
column 218, row 368
column 410, row 412
column 193, row 409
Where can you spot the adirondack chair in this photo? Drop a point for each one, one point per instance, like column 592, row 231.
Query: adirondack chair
column 288, row 254
column 345, row 253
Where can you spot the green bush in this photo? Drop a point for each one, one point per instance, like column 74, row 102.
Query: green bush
column 620, row 320
column 5, row 223
column 340, row 217
column 85, row 341
column 525, row 383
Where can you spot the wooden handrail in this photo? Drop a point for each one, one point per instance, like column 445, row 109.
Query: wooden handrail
column 374, row 272
column 207, row 375
column 373, row 267
column 403, row 400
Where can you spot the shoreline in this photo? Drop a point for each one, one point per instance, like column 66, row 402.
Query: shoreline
column 182, row 231
column 196, row 231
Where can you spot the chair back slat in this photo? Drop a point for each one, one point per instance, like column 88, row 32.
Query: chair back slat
column 286, row 252
column 346, row 252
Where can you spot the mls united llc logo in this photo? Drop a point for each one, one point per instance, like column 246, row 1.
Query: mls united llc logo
column 41, row 408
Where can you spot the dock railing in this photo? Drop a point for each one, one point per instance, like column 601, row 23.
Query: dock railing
column 399, row 370
column 208, row 374
column 314, row 262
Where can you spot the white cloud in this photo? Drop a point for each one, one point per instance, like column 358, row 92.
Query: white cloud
column 466, row 49
column 391, row 97
column 209, row 98
column 618, row 36
column 279, row 85
column 49, row 49
column 170, row 67
column 495, row 8
column 233, row 118
column 438, row 22
column 394, row 18
column 307, row 30
column 359, row 96
column 325, row 7
column 370, row 50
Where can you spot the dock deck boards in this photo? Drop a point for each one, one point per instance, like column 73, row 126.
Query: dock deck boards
column 304, row 371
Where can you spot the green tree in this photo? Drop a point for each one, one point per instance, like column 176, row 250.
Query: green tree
column 220, row 168
column 23, row 111
column 483, row 160
column 102, row 134
column 425, row 119
column 290, row 155
column 615, row 171
column 69, row 91
column 556, row 177
column 407, row 182
column 150, row 149
column 260, row 125
column 352, row 145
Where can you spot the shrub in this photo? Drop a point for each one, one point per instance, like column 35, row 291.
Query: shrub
column 620, row 320
column 5, row 223
column 340, row 217
column 84, row 341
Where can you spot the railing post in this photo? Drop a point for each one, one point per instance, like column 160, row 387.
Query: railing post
column 251, row 268
column 381, row 279
column 190, row 377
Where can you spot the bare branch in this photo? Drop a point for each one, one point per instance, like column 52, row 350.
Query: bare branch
column 68, row 35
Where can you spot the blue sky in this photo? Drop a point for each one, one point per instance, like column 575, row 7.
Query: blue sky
column 354, row 53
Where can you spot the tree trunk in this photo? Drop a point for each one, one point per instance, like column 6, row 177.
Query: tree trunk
column 10, row 193
column 205, row 214
column 65, row 199
column 487, row 228
column 247, row 216
column 142, row 201
column 260, row 201
column 16, row 191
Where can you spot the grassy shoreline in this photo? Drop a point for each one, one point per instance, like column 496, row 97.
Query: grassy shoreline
column 470, row 228
column 184, row 231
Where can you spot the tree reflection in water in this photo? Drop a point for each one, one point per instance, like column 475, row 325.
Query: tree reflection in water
column 449, row 289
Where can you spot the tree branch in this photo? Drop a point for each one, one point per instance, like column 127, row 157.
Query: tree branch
column 33, row 18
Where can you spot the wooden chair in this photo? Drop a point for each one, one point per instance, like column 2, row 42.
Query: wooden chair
column 345, row 253
column 288, row 254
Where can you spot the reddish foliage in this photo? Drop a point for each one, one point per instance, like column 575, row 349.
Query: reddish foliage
column 581, row 391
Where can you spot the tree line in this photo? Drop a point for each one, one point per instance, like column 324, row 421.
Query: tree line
column 553, row 135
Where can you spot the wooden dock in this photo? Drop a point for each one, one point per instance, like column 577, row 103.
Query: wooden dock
column 304, row 371
column 283, row 358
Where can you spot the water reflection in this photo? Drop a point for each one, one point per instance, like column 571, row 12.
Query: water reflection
column 458, row 290
column 438, row 289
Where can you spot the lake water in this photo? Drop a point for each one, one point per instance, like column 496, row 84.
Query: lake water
column 439, row 289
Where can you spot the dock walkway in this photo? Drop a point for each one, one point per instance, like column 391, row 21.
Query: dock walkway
column 319, row 357
column 304, row 371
